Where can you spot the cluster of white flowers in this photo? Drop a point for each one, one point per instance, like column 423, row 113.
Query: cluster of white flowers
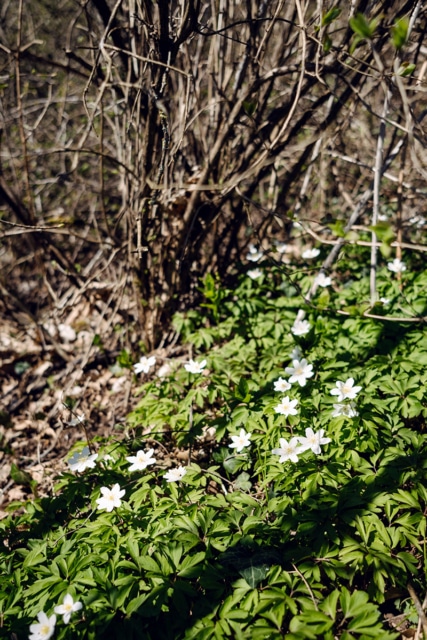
column 254, row 254
column 288, row 450
column 298, row 444
column 300, row 372
column 146, row 364
column 45, row 627
column 110, row 498
column 345, row 391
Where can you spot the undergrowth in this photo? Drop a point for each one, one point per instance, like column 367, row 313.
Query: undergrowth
column 281, row 489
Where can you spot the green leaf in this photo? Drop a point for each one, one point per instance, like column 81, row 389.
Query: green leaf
column 327, row 43
column 329, row 604
column 189, row 567
column 323, row 299
column 250, row 107
column 254, row 574
column 353, row 603
column 383, row 231
column 242, row 390
column 405, row 69
column 33, row 557
column 363, row 30
column 399, row 32
column 19, row 476
column 360, row 26
column 243, row 482
column 330, row 16
column 149, row 564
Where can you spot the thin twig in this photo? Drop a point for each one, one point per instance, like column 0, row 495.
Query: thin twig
column 418, row 607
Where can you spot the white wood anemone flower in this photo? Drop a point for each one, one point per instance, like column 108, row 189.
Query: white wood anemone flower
column 110, row 498
column 44, row 628
column 241, row 441
column 175, row 475
column 68, row 607
column 288, row 450
column 82, row 460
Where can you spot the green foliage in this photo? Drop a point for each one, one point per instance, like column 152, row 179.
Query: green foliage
column 246, row 546
column 363, row 28
column 406, row 69
column 399, row 32
column 330, row 16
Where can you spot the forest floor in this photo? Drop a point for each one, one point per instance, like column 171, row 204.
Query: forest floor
column 50, row 376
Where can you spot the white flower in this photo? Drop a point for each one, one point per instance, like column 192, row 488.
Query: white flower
column 66, row 333
column 142, row 460
column 296, row 353
column 418, row 221
column 397, row 266
column 67, row 608
column 287, row 407
column 345, row 390
column 144, row 365
column 308, row 254
column 282, row 247
column 82, row 460
column 117, row 384
column 322, row 280
column 347, row 410
column 241, row 441
column 164, row 370
column 385, row 301
column 300, row 327
column 254, row 273
column 175, row 475
column 313, row 440
column 77, row 420
column 299, row 372
column 44, row 628
column 195, row 367
column 288, row 450
column 110, row 497
column 254, row 254
column 281, row 385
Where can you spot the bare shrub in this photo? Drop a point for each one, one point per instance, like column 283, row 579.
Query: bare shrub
column 144, row 143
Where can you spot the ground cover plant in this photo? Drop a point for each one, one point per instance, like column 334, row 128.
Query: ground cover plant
column 217, row 211
column 271, row 485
